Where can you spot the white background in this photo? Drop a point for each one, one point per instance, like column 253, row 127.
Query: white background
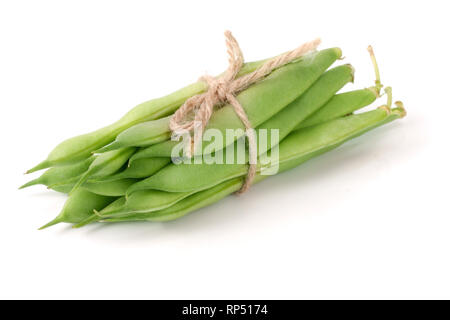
column 368, row 220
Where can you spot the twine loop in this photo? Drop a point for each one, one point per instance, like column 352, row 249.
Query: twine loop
column 196, row 111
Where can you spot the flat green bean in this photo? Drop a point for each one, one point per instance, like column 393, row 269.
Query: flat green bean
column 141, row 168
column 79, row 206
column 114, row 188
column 141, row 134
column 340, row 105
column 60, row 175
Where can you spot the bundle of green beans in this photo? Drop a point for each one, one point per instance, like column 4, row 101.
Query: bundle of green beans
column 124, row 172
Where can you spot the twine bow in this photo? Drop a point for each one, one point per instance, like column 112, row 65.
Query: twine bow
column 223, row 90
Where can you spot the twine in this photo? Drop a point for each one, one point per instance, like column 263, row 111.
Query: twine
column 223, row 90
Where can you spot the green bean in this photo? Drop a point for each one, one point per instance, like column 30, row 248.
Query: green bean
column 147, row 200
column 340, row 105
column 138, row 169
column 106, row 164
column 79, row 206
column 194, row 177
column 62, row 174
column 59, row 175
column 297, row 148
column 116, row 204
column 80, row 147
column 260, row 101
column 115, row 188
column 193, row 202
column 141, row 168
column 141, row 134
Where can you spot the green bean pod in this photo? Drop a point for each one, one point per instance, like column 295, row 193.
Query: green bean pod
column 60, row 175
column 141, row 168
column 340, row 105
column 106, row 164
column 146, row 201
column 79, row 206
column 115, row 188
column 80, row 147
column 141, row 134
column 297, row 148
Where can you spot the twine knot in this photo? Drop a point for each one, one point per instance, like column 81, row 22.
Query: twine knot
column 217, row 87
column 196, row 111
